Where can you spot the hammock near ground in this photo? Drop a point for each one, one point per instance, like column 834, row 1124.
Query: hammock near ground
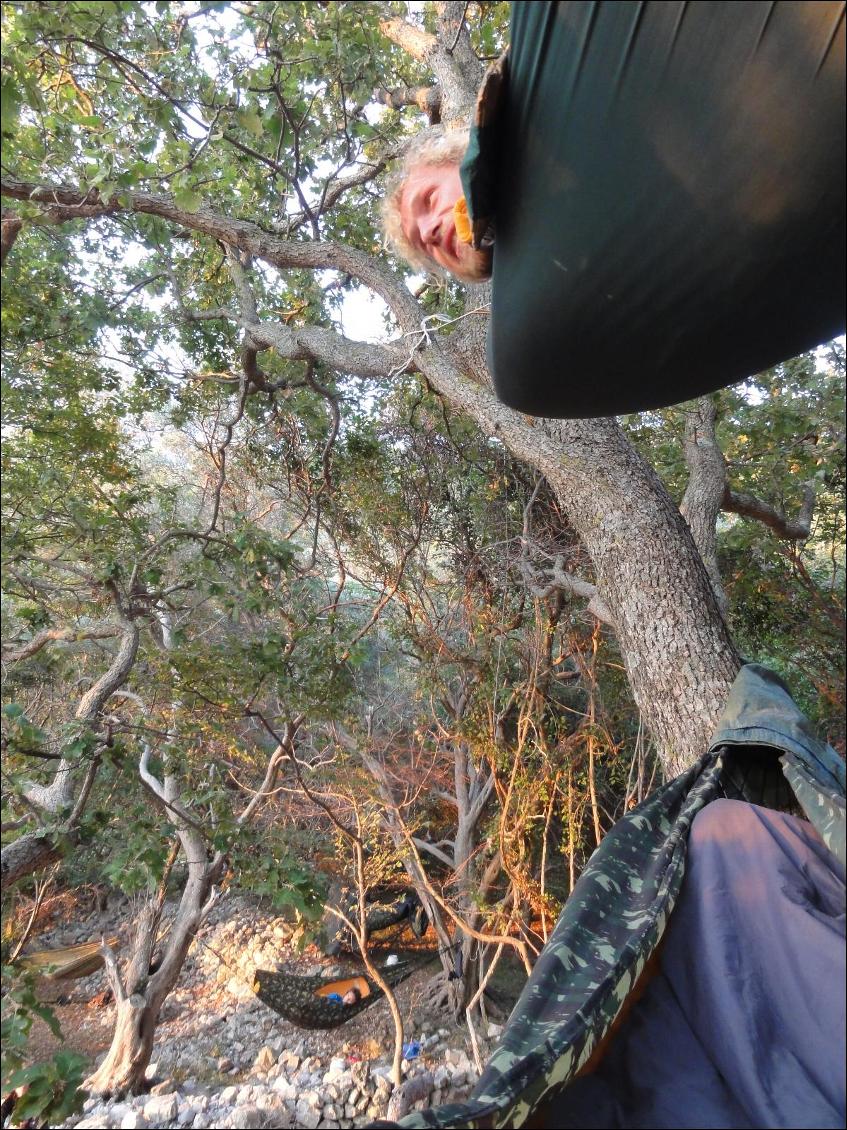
column 305, row 1001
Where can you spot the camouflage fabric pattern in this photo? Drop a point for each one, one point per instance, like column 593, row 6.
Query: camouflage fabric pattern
column 296, row 999
column 824, row 810
column 620, row 907
column 760, row 716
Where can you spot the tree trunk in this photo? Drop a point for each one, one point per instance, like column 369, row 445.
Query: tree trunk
column 137, row 1012
column 701, row 503
column 24, row 855
column 122, row 1071
column 139, row 995
column 678, row 653
column 32, row 852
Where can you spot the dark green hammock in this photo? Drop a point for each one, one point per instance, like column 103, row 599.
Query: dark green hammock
column 666, row 186
column 620, row 907
column 304, row 1001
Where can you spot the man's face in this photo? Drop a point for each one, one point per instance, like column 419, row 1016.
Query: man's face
column 426, row 213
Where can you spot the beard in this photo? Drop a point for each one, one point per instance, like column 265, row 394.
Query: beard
column 475, row 265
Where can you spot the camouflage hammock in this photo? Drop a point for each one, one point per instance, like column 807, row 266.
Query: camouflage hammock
column 306, row 1001
column 763, row 752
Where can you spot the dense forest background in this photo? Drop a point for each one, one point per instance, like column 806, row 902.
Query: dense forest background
column 283, row 606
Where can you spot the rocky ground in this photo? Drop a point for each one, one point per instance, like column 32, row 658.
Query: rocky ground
column 223, row 1059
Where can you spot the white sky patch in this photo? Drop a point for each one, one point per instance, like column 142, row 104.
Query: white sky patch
column 363, row 316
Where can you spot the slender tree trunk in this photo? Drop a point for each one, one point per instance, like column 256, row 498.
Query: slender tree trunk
column 123, row 1070
column 701, row 503
column 545, row 840
column 140, row 996
column 592, row 741
column 33, row 851
column 571, row 836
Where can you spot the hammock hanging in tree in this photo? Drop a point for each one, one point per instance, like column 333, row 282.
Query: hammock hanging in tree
column 305, row 1001
column 69, row 963
column 665, row 183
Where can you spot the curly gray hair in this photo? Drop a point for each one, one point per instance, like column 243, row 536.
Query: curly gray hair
column 432, row 147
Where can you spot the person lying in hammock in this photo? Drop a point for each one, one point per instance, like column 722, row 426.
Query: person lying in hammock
column 352, row 996
column 424, row 212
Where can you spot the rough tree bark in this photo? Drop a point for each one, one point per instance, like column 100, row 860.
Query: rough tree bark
column 139, row 995
column 704, row 493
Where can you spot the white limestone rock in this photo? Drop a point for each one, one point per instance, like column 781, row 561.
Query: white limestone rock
column 306, row 1116
column 265, row 1059
column 161, row 1108
column 133, row 1120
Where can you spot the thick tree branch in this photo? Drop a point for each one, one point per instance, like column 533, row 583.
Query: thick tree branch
column 315, row 343
column 114, row 677
column 557, row 580
column 749, row 506
column 10, row 229
column 34, row 851
column 305, row 343
column 25, row 855
column 434, row 851
column 241, row 234
column 67, row 635
column 415, row 41
column 426, row 98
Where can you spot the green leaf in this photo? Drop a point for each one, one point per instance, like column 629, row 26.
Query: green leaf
column 250, row 121
column 188, row 200
column 9, row 105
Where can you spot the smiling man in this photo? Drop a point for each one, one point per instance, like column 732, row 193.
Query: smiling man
column 419, row 212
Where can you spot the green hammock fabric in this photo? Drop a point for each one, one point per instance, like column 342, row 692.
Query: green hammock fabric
column 298, row 999
column 666, row 185
column 621, row 905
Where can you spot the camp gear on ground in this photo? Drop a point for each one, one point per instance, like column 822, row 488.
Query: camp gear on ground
column 666, row 183
column 619, row 910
